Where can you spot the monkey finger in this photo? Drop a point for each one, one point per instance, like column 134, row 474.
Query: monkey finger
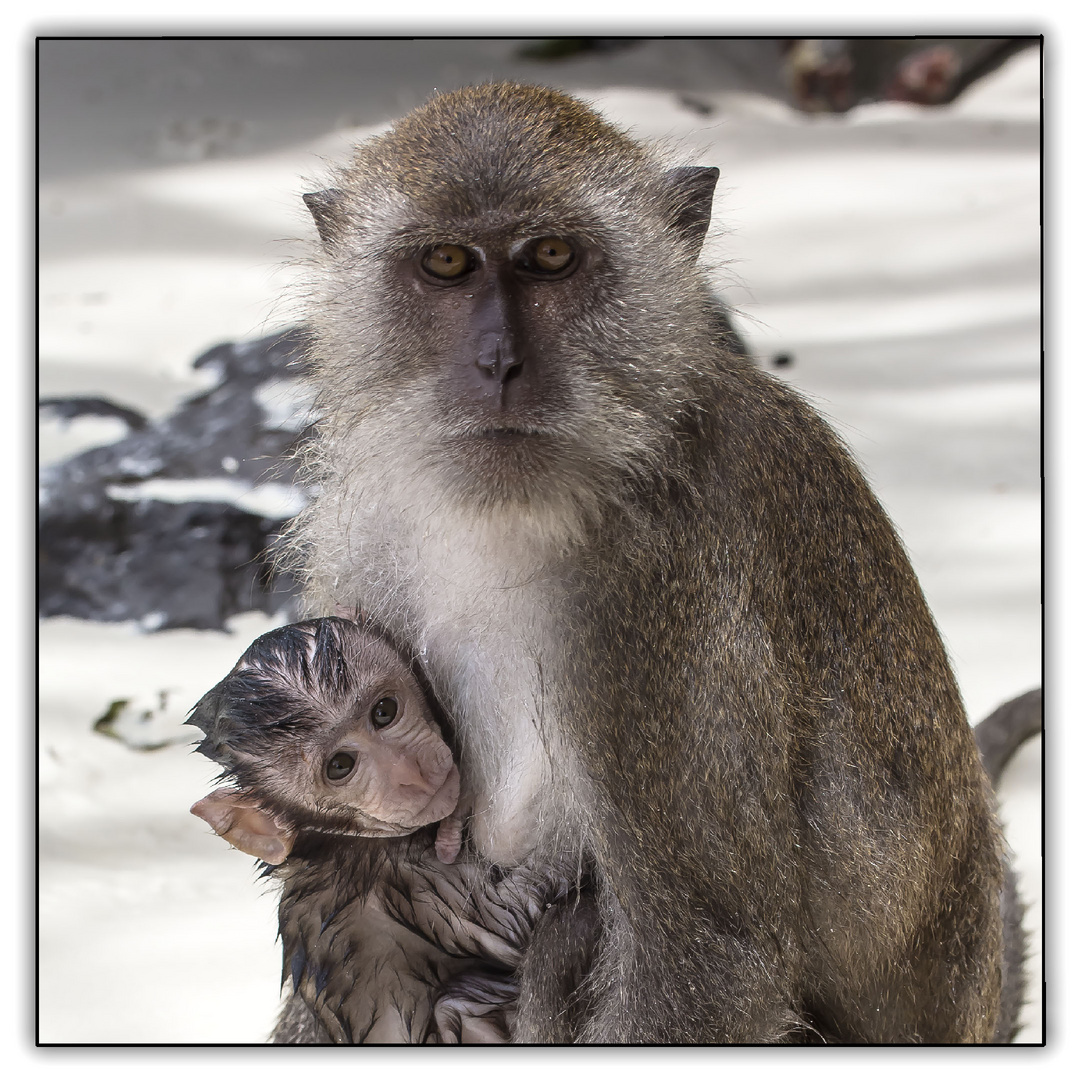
column 448, row 839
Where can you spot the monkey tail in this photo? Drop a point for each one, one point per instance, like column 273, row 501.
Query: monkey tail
column 1006, row 729
column 998, row 737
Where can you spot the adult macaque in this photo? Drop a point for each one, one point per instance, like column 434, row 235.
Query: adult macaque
column 677, row 638
column 333, row 751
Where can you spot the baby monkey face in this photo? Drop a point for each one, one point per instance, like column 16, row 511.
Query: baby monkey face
column 385, row 758
column 324, row 726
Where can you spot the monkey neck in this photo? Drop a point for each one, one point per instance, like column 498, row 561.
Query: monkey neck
column 480, row 604
column 483, row 592
column 324, row 859
column 484, row 630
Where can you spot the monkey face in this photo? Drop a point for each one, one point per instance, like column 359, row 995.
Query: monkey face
column 499, row 402
column 387, row 765
column 483, row 295
column 504, row 381
column 372, row 761
column 323, row 725
column 493, row 355
column 505, row 281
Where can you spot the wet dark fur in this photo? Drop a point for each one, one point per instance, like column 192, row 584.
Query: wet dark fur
column 449, row 932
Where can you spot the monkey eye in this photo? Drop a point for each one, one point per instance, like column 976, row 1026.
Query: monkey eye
column 448, row 262
column 383, row 712
column 340, row 765
column 549, row 256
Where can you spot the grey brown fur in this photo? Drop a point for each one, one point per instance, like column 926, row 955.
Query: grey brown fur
column 676, row 636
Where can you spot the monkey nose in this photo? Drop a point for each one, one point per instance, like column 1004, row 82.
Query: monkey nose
column 409, row 774
column 497, row 357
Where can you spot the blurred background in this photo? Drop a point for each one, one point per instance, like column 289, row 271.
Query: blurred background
column 875, row 233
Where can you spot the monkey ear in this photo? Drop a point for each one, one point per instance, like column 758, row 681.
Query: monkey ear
column 236, row 817
column 692, row 193
column 325, row 208
column 204, row 713
column 204, row 716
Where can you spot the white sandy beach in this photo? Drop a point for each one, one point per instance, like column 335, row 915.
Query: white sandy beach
column 894, row 252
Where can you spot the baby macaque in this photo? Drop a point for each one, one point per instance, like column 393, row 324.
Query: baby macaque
column 339, row 775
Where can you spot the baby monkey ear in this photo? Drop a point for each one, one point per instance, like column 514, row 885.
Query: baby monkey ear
column 237, row 818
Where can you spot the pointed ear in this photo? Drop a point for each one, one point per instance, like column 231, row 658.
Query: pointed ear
column 325, row 207
column 692, row 194
column 236, row 817
column 203, row 714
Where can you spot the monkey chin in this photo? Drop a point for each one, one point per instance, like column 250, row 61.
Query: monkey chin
column 502, row 463
column 546, row 486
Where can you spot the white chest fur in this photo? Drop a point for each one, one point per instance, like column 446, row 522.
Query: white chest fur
column 485, row 630
column 480, row 604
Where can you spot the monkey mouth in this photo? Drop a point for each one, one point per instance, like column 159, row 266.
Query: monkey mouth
column 505, row 441
column 502, row 460
column 444, row 802
column 441, row 804
column 510, row 433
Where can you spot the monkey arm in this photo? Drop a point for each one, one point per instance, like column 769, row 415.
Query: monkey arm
column 474, row 1007
column 556, row 997
column 471, row 910
column 783, row 789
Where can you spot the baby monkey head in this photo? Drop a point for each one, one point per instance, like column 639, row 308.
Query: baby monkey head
column 321, row 725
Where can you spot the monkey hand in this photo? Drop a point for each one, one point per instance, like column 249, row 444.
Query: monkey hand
column 448, row 838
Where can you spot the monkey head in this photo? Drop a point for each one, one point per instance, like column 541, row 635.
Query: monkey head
column 322, row 725
column 504, row 305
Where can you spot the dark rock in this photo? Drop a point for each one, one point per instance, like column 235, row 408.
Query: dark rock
column 73, row 407
column 164, row 564
column 104, row 553
column 835, row 74
column 565, row 48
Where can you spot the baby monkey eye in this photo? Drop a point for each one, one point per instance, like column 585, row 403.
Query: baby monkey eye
column 447, row 261
column 549, row 255
column 383, row 712
column 340, row 765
